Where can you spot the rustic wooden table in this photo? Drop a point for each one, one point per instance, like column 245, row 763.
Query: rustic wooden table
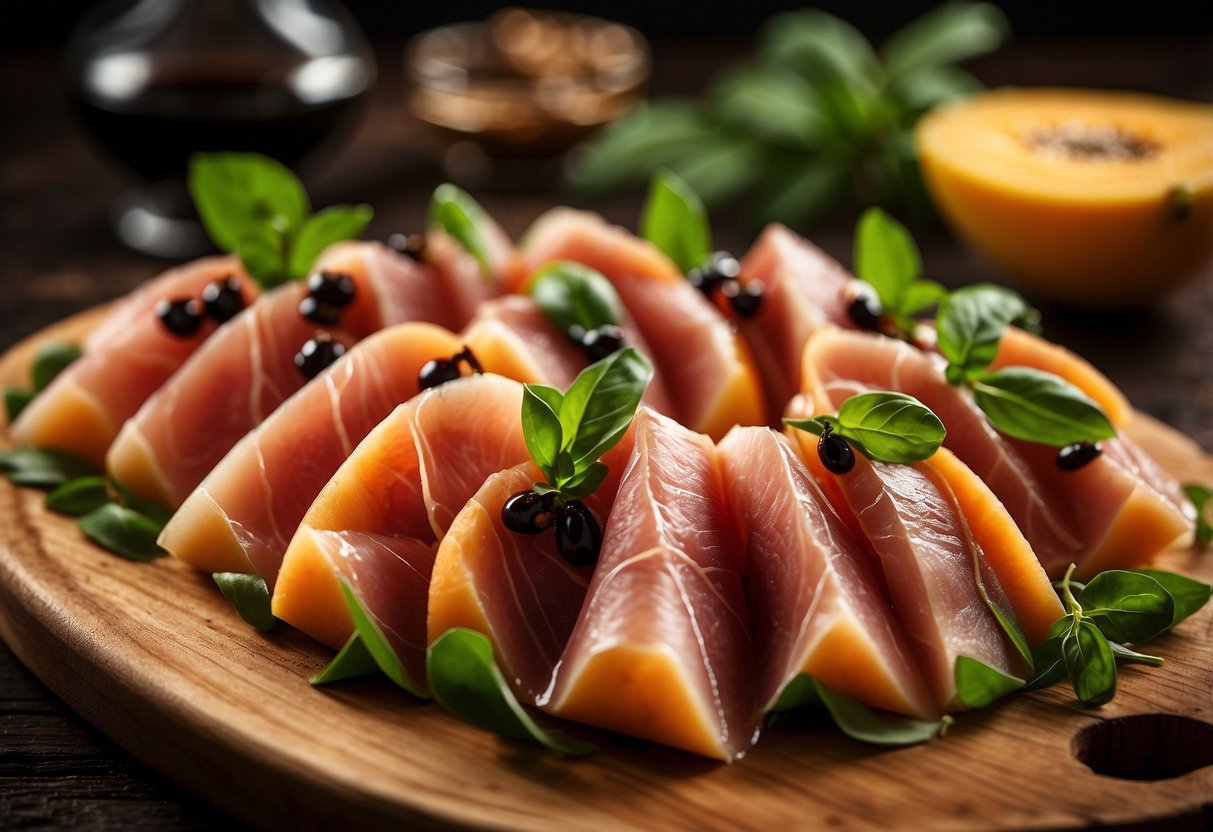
column 55, row 770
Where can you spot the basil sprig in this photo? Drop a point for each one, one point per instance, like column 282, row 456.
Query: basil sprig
column 43, row 467
column 1021, row 402
column 467, row 682
column 50, row 359
column 254, row 206
column 112, row 517
column 857, row 721
column 353, row 661
column 979, row 685
column 674, row 220
column 463, row 220
column 566, row 433
column 1116, row 607
column 888, row 427
column 887, row 258
column 575, row 296
column 1202, row 501
column 250, row 596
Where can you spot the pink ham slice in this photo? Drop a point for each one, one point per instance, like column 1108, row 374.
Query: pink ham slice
column 465, row 283
column 400, row 490
column 816, row 606
column 1121, row 509
column 125, row 360
column 245, row 511
column 803, row 289
column 705, row 366
column 662, row 648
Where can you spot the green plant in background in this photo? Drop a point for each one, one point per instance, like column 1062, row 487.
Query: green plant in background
column 817, row 120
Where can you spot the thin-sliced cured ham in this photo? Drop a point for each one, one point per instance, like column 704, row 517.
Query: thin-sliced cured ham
column 816, row 605
column 704, row 363
column 125, row 360
column 246, row 509
column 406, row 480
column 662, row 648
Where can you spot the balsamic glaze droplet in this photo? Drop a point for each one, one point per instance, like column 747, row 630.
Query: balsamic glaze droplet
column 319, row 312
column 746, row 299
column 835, row 452
column 410, row 245
column 223, row 298
column 865, row 308
column 601, row 342
column 1073, row 457
column 578, row 533
column 720, row 268
column 334, row 288
column 527, row 512
column 318, row 353
column 181, row 316
column 437, row 371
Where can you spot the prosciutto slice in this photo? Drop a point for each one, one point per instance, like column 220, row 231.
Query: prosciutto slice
column 125, row 360
column 662, row 648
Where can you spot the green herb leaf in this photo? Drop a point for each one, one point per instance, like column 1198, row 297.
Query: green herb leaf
column 79, row 496
column 1188, row 595
column 890, row 427
column 262, row 252
column 1089, row 664
column 462, row 218
column 1127, row 607
column 571, row 294
column 815, row 425
column 1029, row 404
column 43, row 467
column 859, row 722
column 123, row 531
column 921, row 295
column 16, row 399
column 772, row 102
column 947, row 34
column 1005, row 618
column 353, row 662
column 921, row 89
column 1126, row 656
column 50, row 360
column 800, row 692
column 377, row 644
column 1049, row 663
column 321, row 230
column 886, row 257
column 541, row 425
column 250, row 596
column 971, row 323
column 239, row 193
column 1202, row 500
column 155, row 512
column 466, row 681
column 979, row 685
column 584, row 482
column 600, row 404
column 821, row 47
column 675, row 221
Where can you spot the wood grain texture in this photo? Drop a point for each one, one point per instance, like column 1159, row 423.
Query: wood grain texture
column 152, row 655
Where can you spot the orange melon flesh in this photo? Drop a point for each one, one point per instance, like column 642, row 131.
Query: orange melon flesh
column 1091, row 230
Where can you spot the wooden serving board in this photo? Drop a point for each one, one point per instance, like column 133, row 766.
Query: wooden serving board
column 153, row 655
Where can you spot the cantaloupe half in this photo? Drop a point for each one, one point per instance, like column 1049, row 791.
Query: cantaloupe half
column 1093, row 198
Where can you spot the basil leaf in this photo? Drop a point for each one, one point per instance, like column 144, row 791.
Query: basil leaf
column 1202, row 500
column 262, row 252
column 921, row 89
column 16, row 399
column 1036, row 406
column 820, row 46
column 541, row 426
column 948, row 34
column 600, row 404
column 800, row 190
column 239, row 193
column 321, row 230
column 886, row 257
column 1188, row 595
column 971, row 323
column 123, row 531
column 719, row 166
column 1048, row 661
column 1128, row 607
column 250, row 595
column 50, row 360
column 815, row 425
column 79, row 496
column 352, row 662
column 979, row 685
column 920, row 295
column 1089, row 664
column 377, row 644
column 585, row 482
column 43, row 467
column 154, row 512
column 462, row 218
column 571, row 294
column 772, row 102
column 800, row 692
column 859, row 722
column 1006, row 619
column 1126, row 656
column 674, row 220
column 467, row 682
column 890, row 427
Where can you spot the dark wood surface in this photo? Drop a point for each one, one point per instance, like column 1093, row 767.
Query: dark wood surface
column 55, row 770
